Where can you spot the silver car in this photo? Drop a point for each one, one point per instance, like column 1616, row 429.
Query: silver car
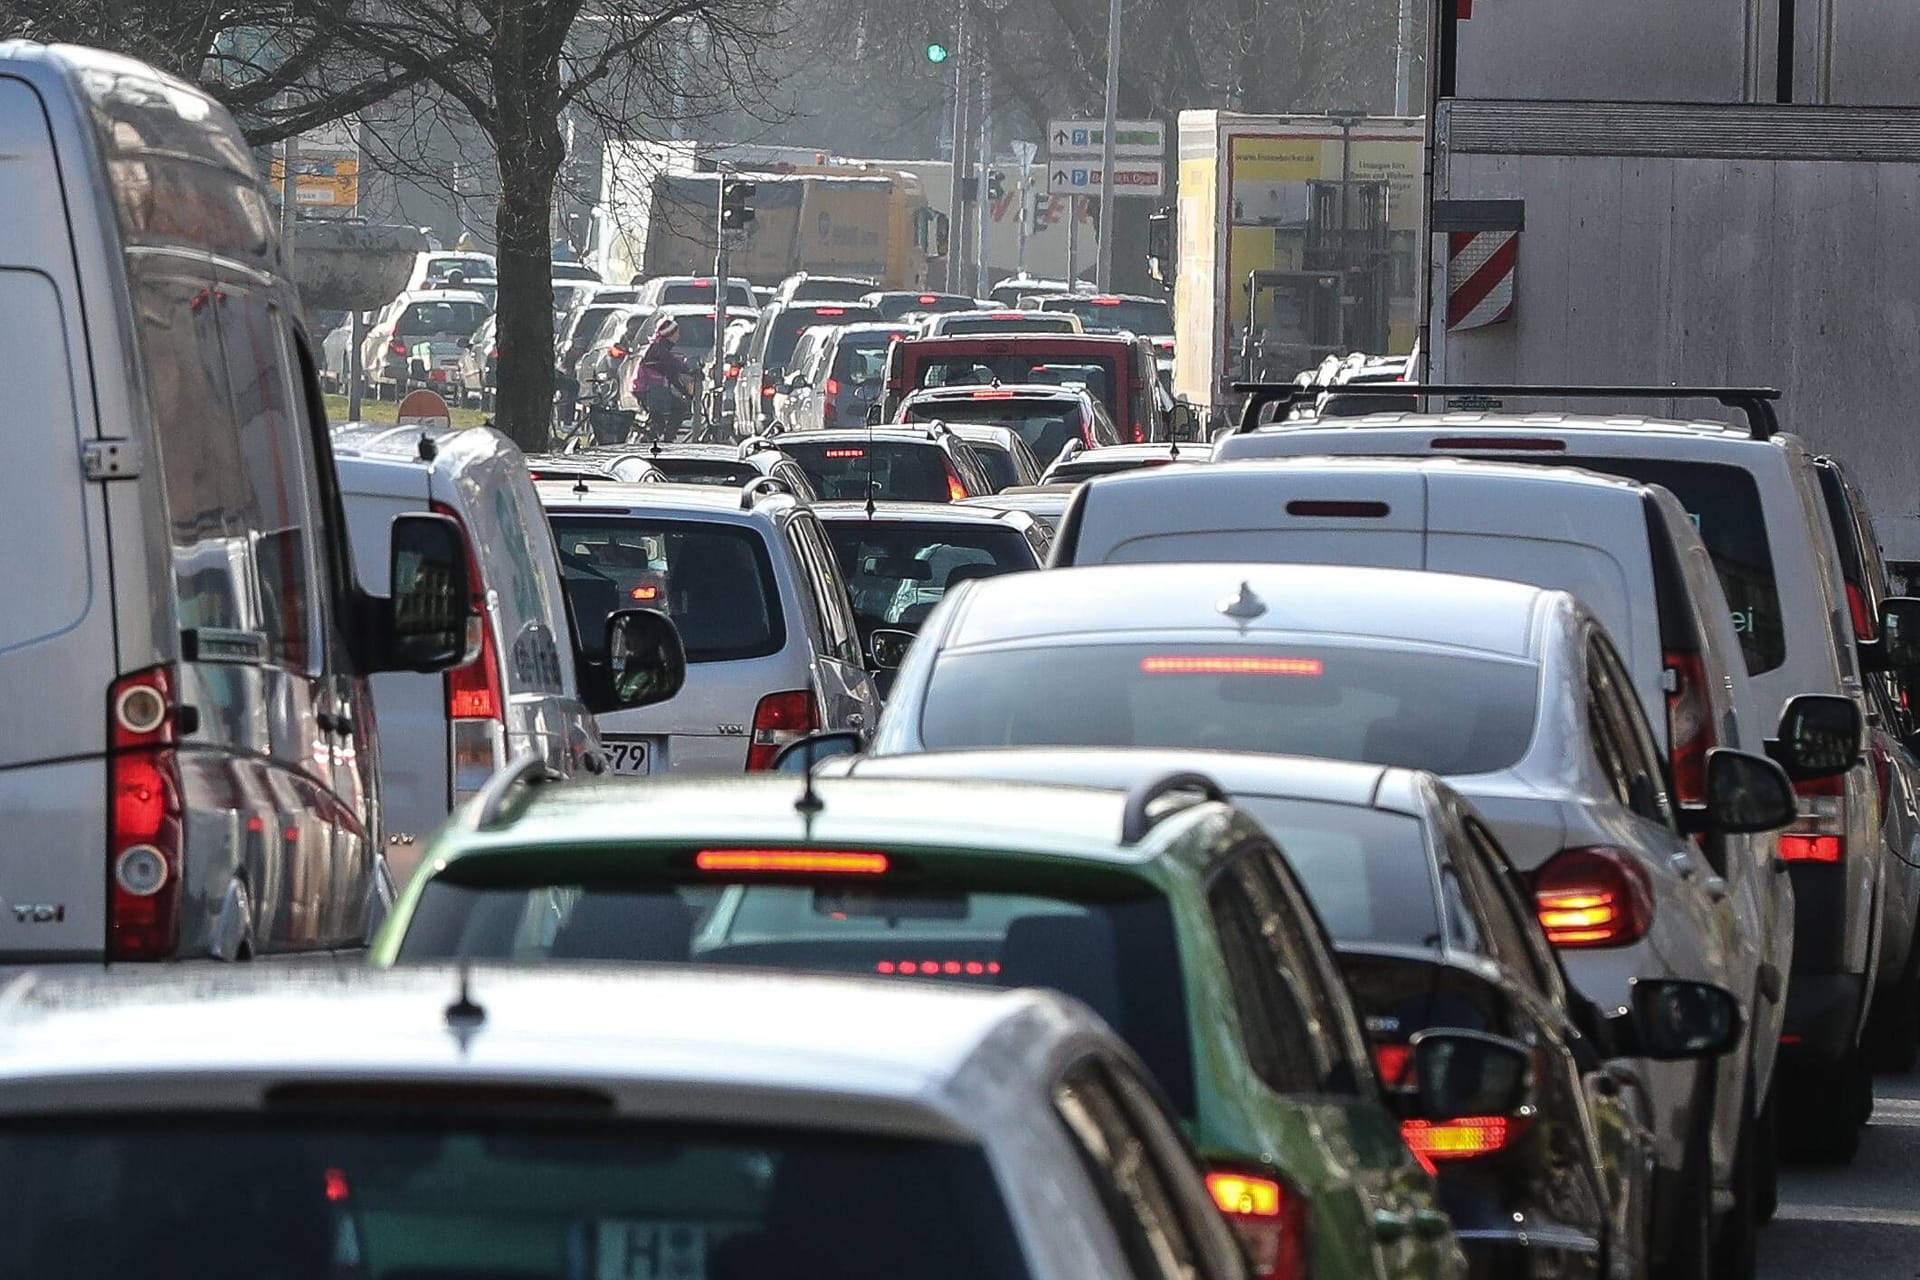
column 773, row 651
column 440, row 1122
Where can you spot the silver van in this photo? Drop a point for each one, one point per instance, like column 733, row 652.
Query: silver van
column 189, row 767
column 749, row 577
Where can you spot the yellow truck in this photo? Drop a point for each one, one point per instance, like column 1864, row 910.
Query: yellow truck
column 1296, row 237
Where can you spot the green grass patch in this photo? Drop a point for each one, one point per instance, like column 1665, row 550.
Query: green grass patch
column 372, row 410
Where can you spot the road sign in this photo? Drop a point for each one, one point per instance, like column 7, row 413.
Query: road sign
column 1068, row 138
column 424, row 409
column 1074, row 177
column 1023, row 154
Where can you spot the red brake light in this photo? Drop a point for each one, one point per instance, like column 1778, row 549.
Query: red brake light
column 398, row 347
column 766, row 388
column 956, row 492
column 830, row 311
column 780, row 718
column 833, row 386
column 1689, row 726
column 144, row 847
column 336, row 1184
column 617, row 351
column 1511, row 444
column 1009, row 315
column 1863, row 627
column 792, row 861
column 1820, row 833
column 926, row 968
column 645, row 591
column 993, row 395
column 1229, row 665
column 473, row 691
column 702, row 284
column 1270, row 1218
column 846, row 453
column 1461, row 1139
column 1394, row 1062
column 733, row 370
column 493, row 353
column 1104, row 302
column 928, row 299
column 1593, row 897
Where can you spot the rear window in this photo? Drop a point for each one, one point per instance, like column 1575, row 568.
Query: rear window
column 896, row 573
column 890, row 470
column 456, row 319
column 473, row 268
column 861, row 357
column 1368, row 872
column 1420, row 710
column 1046, row 425
column 895, row 305
column 696, row 332
column 1725, row 505
column 436, row 1194
column 704, row 471
column 715, row 581
column 1025, row 322
column 1113, row 949
column 1095, row 373
column 784, row 330
column 830, row 290
column 689, row 291
column 1143, row 317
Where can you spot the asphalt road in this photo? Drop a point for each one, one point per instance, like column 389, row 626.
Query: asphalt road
column 1861, row 1222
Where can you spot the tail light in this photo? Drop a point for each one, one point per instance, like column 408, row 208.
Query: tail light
column 1394, row 1063
column 398, row 347
column 493, row 353
column 1593, row 897
column 956, row 491
column 617, row 352
column 780, row 718
column 1464, row 1138
column 1863, row 625
column 1820, row 834
column 766, row 386
column 144, row 846
column 733, row 370
column 833, row 386
column 1689, row 726
column 476, row 700
column 1270, row 1218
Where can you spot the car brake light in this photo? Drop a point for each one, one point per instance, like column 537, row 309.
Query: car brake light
column 792, row 861
column 702, row 284
column 1593, row 897
column 1689, row 726
column 1229, row 665
column 336, row 1186
column 994, row 395
column 833, row 386
column 733, row 370
column 645, row 591
column 780, row 718
column 830, row 311
column 766, row 387
column 1339, row 510
column 956, row 491
column 1269, row 1217
column 1863, row 627
column 1394, row 1062
column 846, row 453
column 144, row 846
column 1820, row 833
column 1511, row 444
column 476, row 702
column 1463, row 1138
column 928, row 299
column 617, row 351
column 951, row 968
column 398, row 347
column 493, row 353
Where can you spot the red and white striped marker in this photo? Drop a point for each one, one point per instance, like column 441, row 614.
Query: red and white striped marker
column 1480, row 276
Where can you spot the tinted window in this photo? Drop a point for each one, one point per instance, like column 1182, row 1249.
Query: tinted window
column 861, row 357
column 452, row 319
column 823, row 290
column 1622, row 738
column 1025, row 322
column 896, row 470
column 437, row 1196
column 897, row 572
column 1271, row 1025
column 704, row 471
column 1368, row 872
column 439, row 268
column 738, row 296
column 1096, row 373
column 1724, row 503
column 1146, row 1214
column 1144, row 317
column 1046, row 425
column 1114, row 950
column 1450, row 714
column 696, row 333
column 587, row 324
column 715, row 581
column 999, row 464
column 836, row 612
column 784, row 330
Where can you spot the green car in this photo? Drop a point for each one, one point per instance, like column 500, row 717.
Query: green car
column 1165, row 909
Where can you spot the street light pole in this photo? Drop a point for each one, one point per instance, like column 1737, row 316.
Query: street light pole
column 983, row 220
column 1103, row 271
column 1403, row 62
column 956, row 202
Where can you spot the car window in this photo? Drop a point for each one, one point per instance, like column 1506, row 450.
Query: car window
column 890, row 470
column 1123, row 1165
column 1002, row 470
column 1273, row 1026
column 1367, row 870
column 896, row 571
column 829, row 589
column 1635, row 770
column 1299, row 952
column 436, row 319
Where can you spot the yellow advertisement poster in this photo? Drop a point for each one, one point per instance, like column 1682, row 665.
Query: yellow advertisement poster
column 322, row 184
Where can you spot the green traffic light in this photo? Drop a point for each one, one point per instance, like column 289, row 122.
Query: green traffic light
column 936, row 53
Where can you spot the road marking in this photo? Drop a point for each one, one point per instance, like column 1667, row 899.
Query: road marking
column 1849, row 1213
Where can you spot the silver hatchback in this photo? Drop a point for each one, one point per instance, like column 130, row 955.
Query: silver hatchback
column 750, row 579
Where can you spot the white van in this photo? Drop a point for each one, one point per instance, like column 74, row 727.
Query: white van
column 188, row 761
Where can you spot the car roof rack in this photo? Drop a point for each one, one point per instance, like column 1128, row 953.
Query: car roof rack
column 761, row 486
column 1138, row 819
column 1757, row 403
column 756, row 444
column 524, row 770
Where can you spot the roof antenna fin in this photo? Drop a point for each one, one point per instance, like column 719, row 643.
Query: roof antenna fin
column 465, row 1016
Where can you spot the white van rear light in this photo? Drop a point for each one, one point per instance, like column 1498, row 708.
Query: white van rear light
column 476, row 696
column 144, row 819
column 1820, row 834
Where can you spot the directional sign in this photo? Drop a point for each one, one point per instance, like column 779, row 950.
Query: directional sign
column 1084, row 138
column 1073, row 177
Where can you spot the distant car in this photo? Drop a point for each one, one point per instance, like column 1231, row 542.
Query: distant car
column 569, row 293
column 1009, row 290
column 479, row 364
column 621, row 334
column 1046, row 503
column 726, row 465
column 1049, row 419
column 1119, row 371
column 771, row 348
column 889, row 464
column 336, row 347
column 695, row 346
column 567, row 269
column 674, row 291
column 896, row 304
column 958, row 323
column 841, row 377
column 574, row 335
column 1136, row 314
column 1075, row 464
column 415, row 342
column 437, row 1122
column 1001, row 450
column 802, row 287
column 431, row 267
column 792, row 388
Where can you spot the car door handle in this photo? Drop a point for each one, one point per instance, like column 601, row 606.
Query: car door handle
column 1431, row 1224
column 1389, row 1226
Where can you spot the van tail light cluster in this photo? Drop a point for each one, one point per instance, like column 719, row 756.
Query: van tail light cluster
column 779, row 719
column 145, row 848
column 1689, row 725
column 1593, row 897
column 476, row 698
column 1269, row 1216
column 1863, row 624
column 1820, row 833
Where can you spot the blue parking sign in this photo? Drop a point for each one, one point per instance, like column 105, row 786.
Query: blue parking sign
column 1080, row 138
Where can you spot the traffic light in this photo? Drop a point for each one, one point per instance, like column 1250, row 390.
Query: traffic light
column 996, row 185
column 936, row 52
column 735, row 212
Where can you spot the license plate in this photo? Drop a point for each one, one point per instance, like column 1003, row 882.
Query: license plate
column 650, row 1251
column 438, row 375
column 630, row 755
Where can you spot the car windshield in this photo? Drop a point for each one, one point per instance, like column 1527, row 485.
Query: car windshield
column 715, row 581
column 897, row 572
column 1046, row 425
column 440, row 319
column 1416, row 709
column 701, row 291
column 442, row 1193
column 1368, row 872
column 1141, row 316
column 888, row 470
column 1012, row 322
column 790, row 322
column 1110, row 943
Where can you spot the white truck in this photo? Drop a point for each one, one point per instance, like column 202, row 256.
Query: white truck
column 1718, row 192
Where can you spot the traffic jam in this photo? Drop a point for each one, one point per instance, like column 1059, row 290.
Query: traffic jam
column 1277, row 773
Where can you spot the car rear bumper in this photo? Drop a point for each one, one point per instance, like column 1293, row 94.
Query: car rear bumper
column 1823, row 1016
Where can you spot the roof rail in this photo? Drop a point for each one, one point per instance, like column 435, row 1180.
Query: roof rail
column 752, row 490
column 524, row 770
column 1756, row 403
column 1136, row 821
column 755, row 444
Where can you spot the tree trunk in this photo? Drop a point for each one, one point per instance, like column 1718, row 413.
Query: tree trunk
column 530, row 151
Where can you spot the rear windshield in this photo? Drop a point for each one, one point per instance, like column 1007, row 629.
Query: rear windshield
column 704, row 471
column 1419, row 710
column 1368, row 872
column 1046, row 425
column 433, row 319
column 784, row 331
column 1725, row 505
column 472, row 268
column 713, row 580
column 696, row 333
column 1024, row 322
column 438, row 1195
column 891, row 470
column 1145, row 317
column 861, row 357
column 688, row 291
column 587, row 325
column 1114, row 949
column 1096, row 373
column 896, row 572
column 895, row 305
column 818, row 290
column 1085, row 468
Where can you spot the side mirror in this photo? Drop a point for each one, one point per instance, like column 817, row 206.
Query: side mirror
column 1819, row 736
column 1899, row 643
column 1183, row 421
column 1468, row 1073
column 644, row 663
column 889, row 648
column 430, row 611
column 873, row 414
column 1669, row 1020
column 1745, row 793
column 466, row 344
column 802, row 756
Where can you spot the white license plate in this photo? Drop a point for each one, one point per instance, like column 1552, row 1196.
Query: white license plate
column 650, row 1251
column 630, row 755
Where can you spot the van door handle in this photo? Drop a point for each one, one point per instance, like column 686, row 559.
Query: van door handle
column 1389, row 1226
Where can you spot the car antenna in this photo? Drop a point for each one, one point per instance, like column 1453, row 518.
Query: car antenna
column 1243, row 606
column 579, row 484
column 656, row 447
column 465, row 1016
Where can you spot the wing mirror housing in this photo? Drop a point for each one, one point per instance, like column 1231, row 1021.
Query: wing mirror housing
column 1898, row 647
column 803, row 755
column 1745, row 793
column 1672, row 1020
column 1183, row 421
column 430, row 622
column 1468, row 1073
column 888, row 648
column 643, row 663
column 873, row 414
column 1819, row 735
